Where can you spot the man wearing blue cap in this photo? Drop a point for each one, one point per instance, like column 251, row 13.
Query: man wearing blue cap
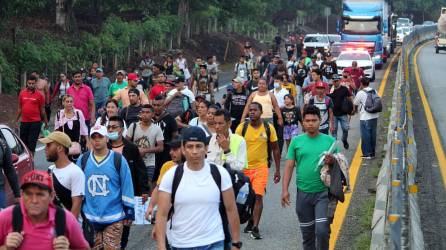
column 193, row 194
column 100, row 86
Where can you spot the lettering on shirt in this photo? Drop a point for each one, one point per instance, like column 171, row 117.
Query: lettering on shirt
column 97, row 185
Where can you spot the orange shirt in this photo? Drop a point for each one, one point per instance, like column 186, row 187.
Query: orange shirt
column 123, row 95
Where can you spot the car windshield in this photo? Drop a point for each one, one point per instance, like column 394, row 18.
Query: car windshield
column 316, row 39
column 354, row 57
column 361, row 27
column 403, row 21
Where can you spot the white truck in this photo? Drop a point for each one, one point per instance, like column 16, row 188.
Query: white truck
column 440, row 38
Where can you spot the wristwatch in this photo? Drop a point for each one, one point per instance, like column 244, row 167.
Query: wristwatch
column 237, row 244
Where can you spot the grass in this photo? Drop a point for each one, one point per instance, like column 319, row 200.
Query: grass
column 362, row 241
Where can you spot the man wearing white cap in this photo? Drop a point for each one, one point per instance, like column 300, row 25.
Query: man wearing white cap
column 109, row 192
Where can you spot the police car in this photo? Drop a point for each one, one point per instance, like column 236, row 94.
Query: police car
column 362, row 57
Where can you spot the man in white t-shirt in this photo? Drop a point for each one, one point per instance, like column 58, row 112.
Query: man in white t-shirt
column 195, row 221
column 368, row 121
column 180, row 90
column 68, row 178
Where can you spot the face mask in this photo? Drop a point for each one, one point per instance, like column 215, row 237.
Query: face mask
column 276, row 85
column 113, row 136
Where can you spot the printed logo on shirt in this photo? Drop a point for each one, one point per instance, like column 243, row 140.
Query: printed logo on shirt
column 97, row 185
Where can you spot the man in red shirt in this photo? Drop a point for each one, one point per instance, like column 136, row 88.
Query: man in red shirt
column 159, row 87
column 83, row 99
column 39, row 221
column 31, row 110
column 356, row 73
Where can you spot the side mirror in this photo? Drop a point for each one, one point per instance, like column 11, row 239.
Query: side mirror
column 15, row 158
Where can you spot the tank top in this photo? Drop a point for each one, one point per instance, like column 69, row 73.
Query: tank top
column 267, row 105
column 63, row 88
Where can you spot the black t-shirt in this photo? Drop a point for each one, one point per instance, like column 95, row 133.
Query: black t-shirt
column 329, row 68
column 291, row 116
column 235, row 104
column 301, row 74
column 338, row 96
column 168, row 125
column 252, row 86
column 130, row 114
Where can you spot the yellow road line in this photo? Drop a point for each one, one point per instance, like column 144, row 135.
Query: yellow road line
column 355, row 166
column 430, row 120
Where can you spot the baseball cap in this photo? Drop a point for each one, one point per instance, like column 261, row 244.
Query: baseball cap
column 122, row 72
column 336, row 77
column 39, row 178
column 179, row 79
column 194, row 133
column 99, row 69
column 102, row 130
column 175, row 142
column 319, row 85
column 132, row 76
column 238, row 79
column 277, row 56
column 59, row 137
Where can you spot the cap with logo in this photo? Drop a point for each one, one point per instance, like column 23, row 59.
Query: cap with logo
column 335, row 77
column 179, row 79
column 238, row 79
column 99, row 69
column 37, row 177
column 319, row 85
column 98, row 129
column 58, row 137
column 194, row 133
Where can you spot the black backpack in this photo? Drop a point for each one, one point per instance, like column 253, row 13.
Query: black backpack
column 268, row 136
column 373, row 103
column 238, row 180
column 17, row 220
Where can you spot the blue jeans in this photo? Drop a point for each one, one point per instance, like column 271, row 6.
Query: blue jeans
column 368, row 136
column 343, row 120
column 2, row 198
column 214, row 246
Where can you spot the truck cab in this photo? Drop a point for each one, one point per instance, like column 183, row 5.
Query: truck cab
column 366, row 21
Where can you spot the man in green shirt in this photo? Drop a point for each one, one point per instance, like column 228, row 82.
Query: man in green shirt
column 117, row 85
column 312, row 197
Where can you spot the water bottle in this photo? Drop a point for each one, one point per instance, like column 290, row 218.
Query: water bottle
column 243, row 194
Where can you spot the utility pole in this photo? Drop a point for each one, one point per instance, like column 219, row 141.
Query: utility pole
column 327, row 12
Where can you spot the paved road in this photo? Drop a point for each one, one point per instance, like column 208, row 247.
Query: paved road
column 432, row 196
column 279, row 226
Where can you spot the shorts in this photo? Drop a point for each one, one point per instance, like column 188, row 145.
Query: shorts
column 289, row 131
column 258, row 178
column 110, row 237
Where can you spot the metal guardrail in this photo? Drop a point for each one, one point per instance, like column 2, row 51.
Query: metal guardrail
column 396, row 218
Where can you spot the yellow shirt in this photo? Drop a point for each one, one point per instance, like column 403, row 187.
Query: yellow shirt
column 166, row 166
column 291, row 89
column 256, row 144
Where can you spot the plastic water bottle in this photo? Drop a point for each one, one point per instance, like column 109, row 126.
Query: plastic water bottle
column 243, row 194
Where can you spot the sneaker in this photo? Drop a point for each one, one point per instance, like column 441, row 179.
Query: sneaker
column 346, row 145
column 248, row 228
column 255, row 234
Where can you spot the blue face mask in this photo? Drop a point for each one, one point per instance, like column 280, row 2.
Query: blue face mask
column 113, row 136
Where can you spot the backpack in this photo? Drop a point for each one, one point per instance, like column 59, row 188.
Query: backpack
column 177, row 107
column 87, row 228
column 238, row 180
column 327, row 101
column 17, row 220
column 373, row 103
column 268, row 136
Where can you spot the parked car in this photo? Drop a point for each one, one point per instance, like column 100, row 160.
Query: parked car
column 362, row 57
column 22, row 158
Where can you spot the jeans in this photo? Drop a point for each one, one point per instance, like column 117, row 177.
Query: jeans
column 368, row 136
column 214, row 246
column 313, row 213
column 2, row 198
column 343, row 120
column 29, row 134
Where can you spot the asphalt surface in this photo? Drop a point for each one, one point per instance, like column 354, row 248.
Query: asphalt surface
column 278, row 226
column 432, row 196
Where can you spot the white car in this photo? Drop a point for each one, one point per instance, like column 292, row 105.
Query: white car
column 317, row 42
column 363, row 59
